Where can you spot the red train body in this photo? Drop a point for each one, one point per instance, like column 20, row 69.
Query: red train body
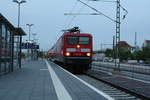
column 73, row 49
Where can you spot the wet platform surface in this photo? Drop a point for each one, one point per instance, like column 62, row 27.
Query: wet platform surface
column 43, row 80
column 136, row 86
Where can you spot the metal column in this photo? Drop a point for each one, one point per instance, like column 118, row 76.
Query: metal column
column 118, row 33
column 0, row 43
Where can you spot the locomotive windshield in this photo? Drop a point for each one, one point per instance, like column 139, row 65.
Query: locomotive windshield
column 77, row 40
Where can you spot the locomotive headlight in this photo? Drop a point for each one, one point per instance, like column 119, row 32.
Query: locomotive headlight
column 88, row 54
column 78, row 46
column 67, row 54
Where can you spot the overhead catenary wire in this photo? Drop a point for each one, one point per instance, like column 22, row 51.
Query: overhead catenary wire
column 70, row 12
column 74, row 16
column 103, row 0
column 98, row 11
column 114, row 1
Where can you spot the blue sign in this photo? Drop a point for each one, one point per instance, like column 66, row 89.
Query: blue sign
column 29, row 46
column 24, row 45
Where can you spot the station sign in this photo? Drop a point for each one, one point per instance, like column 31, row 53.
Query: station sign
column 29, row 46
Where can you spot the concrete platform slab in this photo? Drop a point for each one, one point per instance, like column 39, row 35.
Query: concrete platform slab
column 42, row 80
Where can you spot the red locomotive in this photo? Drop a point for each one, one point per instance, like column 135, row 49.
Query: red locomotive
column 73, row 49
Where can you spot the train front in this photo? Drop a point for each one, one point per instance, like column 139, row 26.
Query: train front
column 78, row 50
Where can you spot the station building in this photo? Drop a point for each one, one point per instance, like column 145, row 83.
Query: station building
column 8, row 50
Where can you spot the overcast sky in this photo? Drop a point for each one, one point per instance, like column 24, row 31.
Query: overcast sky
column 49, row 19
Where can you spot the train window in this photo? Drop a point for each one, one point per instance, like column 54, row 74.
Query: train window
column 72, row 40
column 77, row 40
column 83, row 40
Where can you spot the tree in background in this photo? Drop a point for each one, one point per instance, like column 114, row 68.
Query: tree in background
column 137, row 55
column 146, row 54
column 109, row 53
column 143, row 54
column 124, row 54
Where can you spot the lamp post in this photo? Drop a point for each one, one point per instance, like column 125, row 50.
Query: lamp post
column 34, row 35
column 34, row 51
column 19, row 54
column 29, row 25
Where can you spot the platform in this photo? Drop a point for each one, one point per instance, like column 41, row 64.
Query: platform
column 43, row 80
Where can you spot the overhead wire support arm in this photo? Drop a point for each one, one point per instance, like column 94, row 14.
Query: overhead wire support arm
column 98, row 11
column 126, row 12
column 103, row 0
column 115, row 1
column 82, row 14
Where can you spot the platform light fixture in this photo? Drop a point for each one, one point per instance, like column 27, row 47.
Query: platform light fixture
column 20, row 51
column 29, row 25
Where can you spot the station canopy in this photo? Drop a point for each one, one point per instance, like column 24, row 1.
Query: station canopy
column 19, row 32
column 16, row 31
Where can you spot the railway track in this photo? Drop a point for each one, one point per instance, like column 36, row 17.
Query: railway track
column 114, row 92
column 132, row 74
